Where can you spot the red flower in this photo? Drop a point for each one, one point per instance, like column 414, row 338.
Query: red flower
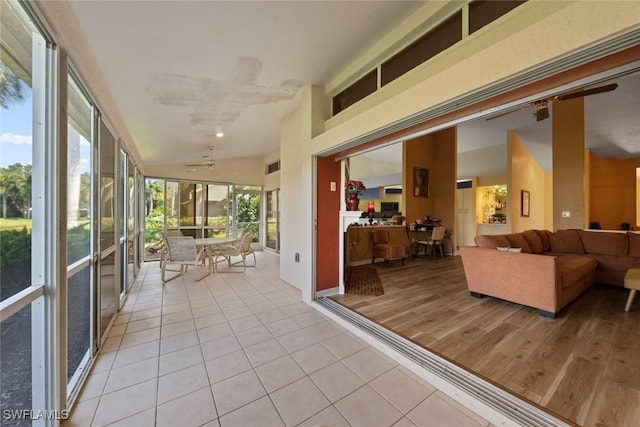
column 354, row 187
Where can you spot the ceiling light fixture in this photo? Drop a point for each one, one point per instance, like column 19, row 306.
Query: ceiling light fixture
column 219, row 134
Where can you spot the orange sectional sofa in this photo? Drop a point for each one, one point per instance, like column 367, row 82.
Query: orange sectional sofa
column 552, row 269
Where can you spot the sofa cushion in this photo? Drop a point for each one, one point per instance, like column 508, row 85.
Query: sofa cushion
column 616, row 263
column 605, row 243
column 491, row 242
column 566, row 242
column 516, row 240
column 572, row 268
column 544, row 238
column 634, row 244
column 533, row 240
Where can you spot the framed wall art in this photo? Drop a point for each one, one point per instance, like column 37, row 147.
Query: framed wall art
column 420, row 182
column 525, row 203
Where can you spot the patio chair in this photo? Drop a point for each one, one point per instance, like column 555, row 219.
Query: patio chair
column 163, row 250
column 241, row 249
column 181, row 251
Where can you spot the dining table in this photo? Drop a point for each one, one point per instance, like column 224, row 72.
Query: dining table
column 212, row 245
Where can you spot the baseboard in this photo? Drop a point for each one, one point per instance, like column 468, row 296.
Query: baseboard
column 328, row 292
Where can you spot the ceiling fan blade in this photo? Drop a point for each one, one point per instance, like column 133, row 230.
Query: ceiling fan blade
column 595, row 90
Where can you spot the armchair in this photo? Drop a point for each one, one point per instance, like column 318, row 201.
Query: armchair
column 382, row 248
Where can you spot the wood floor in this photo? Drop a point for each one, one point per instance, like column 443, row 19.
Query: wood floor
column 584, row 365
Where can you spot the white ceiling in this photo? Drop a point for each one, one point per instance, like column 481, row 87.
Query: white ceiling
column 180, row 70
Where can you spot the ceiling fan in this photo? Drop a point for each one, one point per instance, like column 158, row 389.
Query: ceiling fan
column 542, row 105
column 207, row 162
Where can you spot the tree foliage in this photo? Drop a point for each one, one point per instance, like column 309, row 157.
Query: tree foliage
column 15, row 191
column 10, row 89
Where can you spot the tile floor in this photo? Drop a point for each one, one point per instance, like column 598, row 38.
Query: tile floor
column 243, row 350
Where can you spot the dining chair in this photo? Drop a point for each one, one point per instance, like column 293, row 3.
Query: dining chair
column 435, row 241
column 182, row 251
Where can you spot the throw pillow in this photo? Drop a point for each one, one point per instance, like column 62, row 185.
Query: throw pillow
column 533, row 240
column 544, row 238
column 605, row 243
column 491, row 242
column 566, row 242
column 517, row 241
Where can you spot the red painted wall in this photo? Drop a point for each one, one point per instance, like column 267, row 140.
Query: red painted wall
column 327, row 225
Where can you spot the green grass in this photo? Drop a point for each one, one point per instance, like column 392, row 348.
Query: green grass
column 14, row 223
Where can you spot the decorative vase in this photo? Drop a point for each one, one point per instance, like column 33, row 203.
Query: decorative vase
column 352, row 202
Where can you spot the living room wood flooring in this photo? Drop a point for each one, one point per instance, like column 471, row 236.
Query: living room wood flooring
column 584, row 365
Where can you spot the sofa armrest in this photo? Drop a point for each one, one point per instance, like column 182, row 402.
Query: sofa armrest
column 527, row 279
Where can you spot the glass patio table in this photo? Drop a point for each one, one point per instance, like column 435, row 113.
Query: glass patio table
column 211, row 245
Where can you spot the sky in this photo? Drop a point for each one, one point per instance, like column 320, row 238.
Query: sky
column 15, row 131
column 16, row 134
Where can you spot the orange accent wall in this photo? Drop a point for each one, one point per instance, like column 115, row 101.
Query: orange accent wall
column 613, row 192
column 328, row 223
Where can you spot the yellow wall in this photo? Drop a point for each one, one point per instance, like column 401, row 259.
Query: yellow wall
column 568, row 164
column 613, row 191
column 437, row 153
column 420, row 153
column 526, row 174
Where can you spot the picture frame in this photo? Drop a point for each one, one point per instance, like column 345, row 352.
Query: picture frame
column 525, row 203
column 420, row 182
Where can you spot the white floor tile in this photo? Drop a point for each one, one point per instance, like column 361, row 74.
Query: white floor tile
column 243, row 350
column 227, row 366
column 365, row 408
column 299, row 401
column 279, row 373
column 402, row 391
column 237, row 391
column 180, row 359
column 191, row 410
column 259, row 413
column 125, row 403
column 336, row 381
column 369, row 363
column 180, row 383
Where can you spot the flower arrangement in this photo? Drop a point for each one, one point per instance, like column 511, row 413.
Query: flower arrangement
column 354, row 187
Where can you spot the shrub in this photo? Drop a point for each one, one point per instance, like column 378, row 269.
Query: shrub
column 15, row 246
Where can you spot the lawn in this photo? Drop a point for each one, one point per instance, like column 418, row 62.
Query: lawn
column 14, row 223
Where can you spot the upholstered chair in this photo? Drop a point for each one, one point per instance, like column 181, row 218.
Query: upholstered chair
column 382, row 248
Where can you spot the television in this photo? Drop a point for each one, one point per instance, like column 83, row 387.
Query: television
column 389, row 206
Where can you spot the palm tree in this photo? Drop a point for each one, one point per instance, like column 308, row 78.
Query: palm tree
column 10, row 89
